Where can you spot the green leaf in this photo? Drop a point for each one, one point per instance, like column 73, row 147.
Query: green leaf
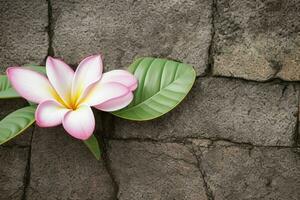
column 93, row 145
column 163, row 84
column 6, row 90
column 16, row 122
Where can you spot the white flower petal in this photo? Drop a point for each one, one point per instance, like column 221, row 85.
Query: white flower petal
column 99, row 92
column 80, row 123
column 115, row 104
column 120, row 76
column 50, row 113
column 60, row 76
column 31, row 85
column 88, row 71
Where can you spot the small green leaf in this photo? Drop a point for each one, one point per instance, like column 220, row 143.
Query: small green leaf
column 93, row 145
column 163, row 84
column 6, row 90
column 16, row 122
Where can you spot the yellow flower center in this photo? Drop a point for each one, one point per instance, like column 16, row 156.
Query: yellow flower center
column 71, row 103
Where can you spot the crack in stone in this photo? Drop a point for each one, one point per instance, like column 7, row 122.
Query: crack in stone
column 151, row 140
column 50, row 30
column 273, row 80
column 11, row 146
column 188, row 140
column 215, row 141
column 210, row 61
column 27, row 174
column 107, row 165
column 106, row 121
column 208, row 191
column 296, row 133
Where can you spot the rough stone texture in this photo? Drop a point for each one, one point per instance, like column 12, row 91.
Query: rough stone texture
column 10, row 106
column 247, row 112
column 237, row 172
column 12, row 171
column 145, row 170
column 23, row 35
column 123, row 30
column 63, row 168
column 230, row 139
column 257, row 40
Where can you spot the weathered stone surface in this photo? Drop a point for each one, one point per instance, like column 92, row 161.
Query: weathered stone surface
column 192, row 158
column 23, row 35
column 257, row 40
column 262, row 114
column 124, row 30
column 148, row 171
column 8, row 106
column 236, row 172
column 12, row 171
column 63, row 168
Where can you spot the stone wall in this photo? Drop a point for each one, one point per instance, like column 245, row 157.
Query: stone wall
column 236, row 136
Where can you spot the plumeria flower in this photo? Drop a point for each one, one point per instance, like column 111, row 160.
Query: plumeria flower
column 66, row 97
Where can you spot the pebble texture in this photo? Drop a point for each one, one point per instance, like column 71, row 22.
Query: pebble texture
column 229, row 139
column 257, row 40
column 23, row 35
column 124, row 30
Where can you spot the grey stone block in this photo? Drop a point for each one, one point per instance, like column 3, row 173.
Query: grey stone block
column 23, row 35
column 63, row 168
column 144, row 170
column 257, row 40
column 12, row 172
column 123, row 30
column 237, row 172
column 248, row 112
